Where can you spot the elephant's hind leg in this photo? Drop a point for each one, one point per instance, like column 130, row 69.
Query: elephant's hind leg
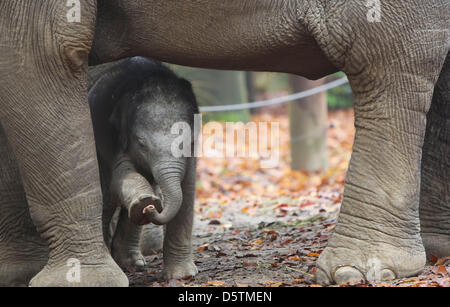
column 435, row 186
column 22, row 252
column 45, row 114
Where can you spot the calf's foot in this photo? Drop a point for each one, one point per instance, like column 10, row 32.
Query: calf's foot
column 129, row 259
column 179, row 270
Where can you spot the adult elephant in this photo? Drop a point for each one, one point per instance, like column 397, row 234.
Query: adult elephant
column 393, row 67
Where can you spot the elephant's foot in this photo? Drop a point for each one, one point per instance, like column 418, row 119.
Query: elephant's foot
column 21, row 259
column 18, row 273
column 179, row 270
column 152, row 238
column 349, row 260
column 23, row 253
column 75, row 272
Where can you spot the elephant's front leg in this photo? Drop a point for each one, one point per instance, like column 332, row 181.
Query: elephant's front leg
column 177, row 247
column 393, row 67
column 378, row 233
column 22, row 252
column 132, row 192
column 45, row 114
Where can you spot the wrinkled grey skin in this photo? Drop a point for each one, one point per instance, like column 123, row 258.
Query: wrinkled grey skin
column 152, row 237
column 393, row 67
column 134, row 105
column 130, row 249
column 150, row 242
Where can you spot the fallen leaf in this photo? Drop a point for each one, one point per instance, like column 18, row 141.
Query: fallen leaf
column 433, row 258
column 294, row 258
column 313, row 255
column 441, row 269
column 203, row 247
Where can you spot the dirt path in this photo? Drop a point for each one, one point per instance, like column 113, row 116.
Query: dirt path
column 269, row 254
column 266, row 227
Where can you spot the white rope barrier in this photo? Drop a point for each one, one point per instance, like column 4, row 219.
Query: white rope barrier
column 274, row 101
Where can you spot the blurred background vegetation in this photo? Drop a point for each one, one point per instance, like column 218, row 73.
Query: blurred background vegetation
column 307, row 117
column 213, row 87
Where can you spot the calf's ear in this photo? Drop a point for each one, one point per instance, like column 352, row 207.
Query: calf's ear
column 118, row 120
column 189, row 94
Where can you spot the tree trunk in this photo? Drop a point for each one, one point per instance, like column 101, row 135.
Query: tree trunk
column 308, row 127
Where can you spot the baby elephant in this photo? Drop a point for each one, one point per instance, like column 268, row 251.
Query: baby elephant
column 135, row 104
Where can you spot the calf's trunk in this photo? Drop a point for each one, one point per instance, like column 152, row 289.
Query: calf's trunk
column 169, row 178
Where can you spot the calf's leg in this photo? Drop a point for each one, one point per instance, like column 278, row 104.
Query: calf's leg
column 132, row 190
column 177, row 246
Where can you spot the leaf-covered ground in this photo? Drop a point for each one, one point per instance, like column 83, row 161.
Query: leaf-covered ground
column 266, row 227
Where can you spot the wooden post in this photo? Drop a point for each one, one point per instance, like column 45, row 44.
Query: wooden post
column 308, row 127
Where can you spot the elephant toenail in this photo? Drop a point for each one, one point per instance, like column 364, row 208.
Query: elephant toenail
column 140, row 264
column 387, row 274
column 322, row 277
column 348, row 275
